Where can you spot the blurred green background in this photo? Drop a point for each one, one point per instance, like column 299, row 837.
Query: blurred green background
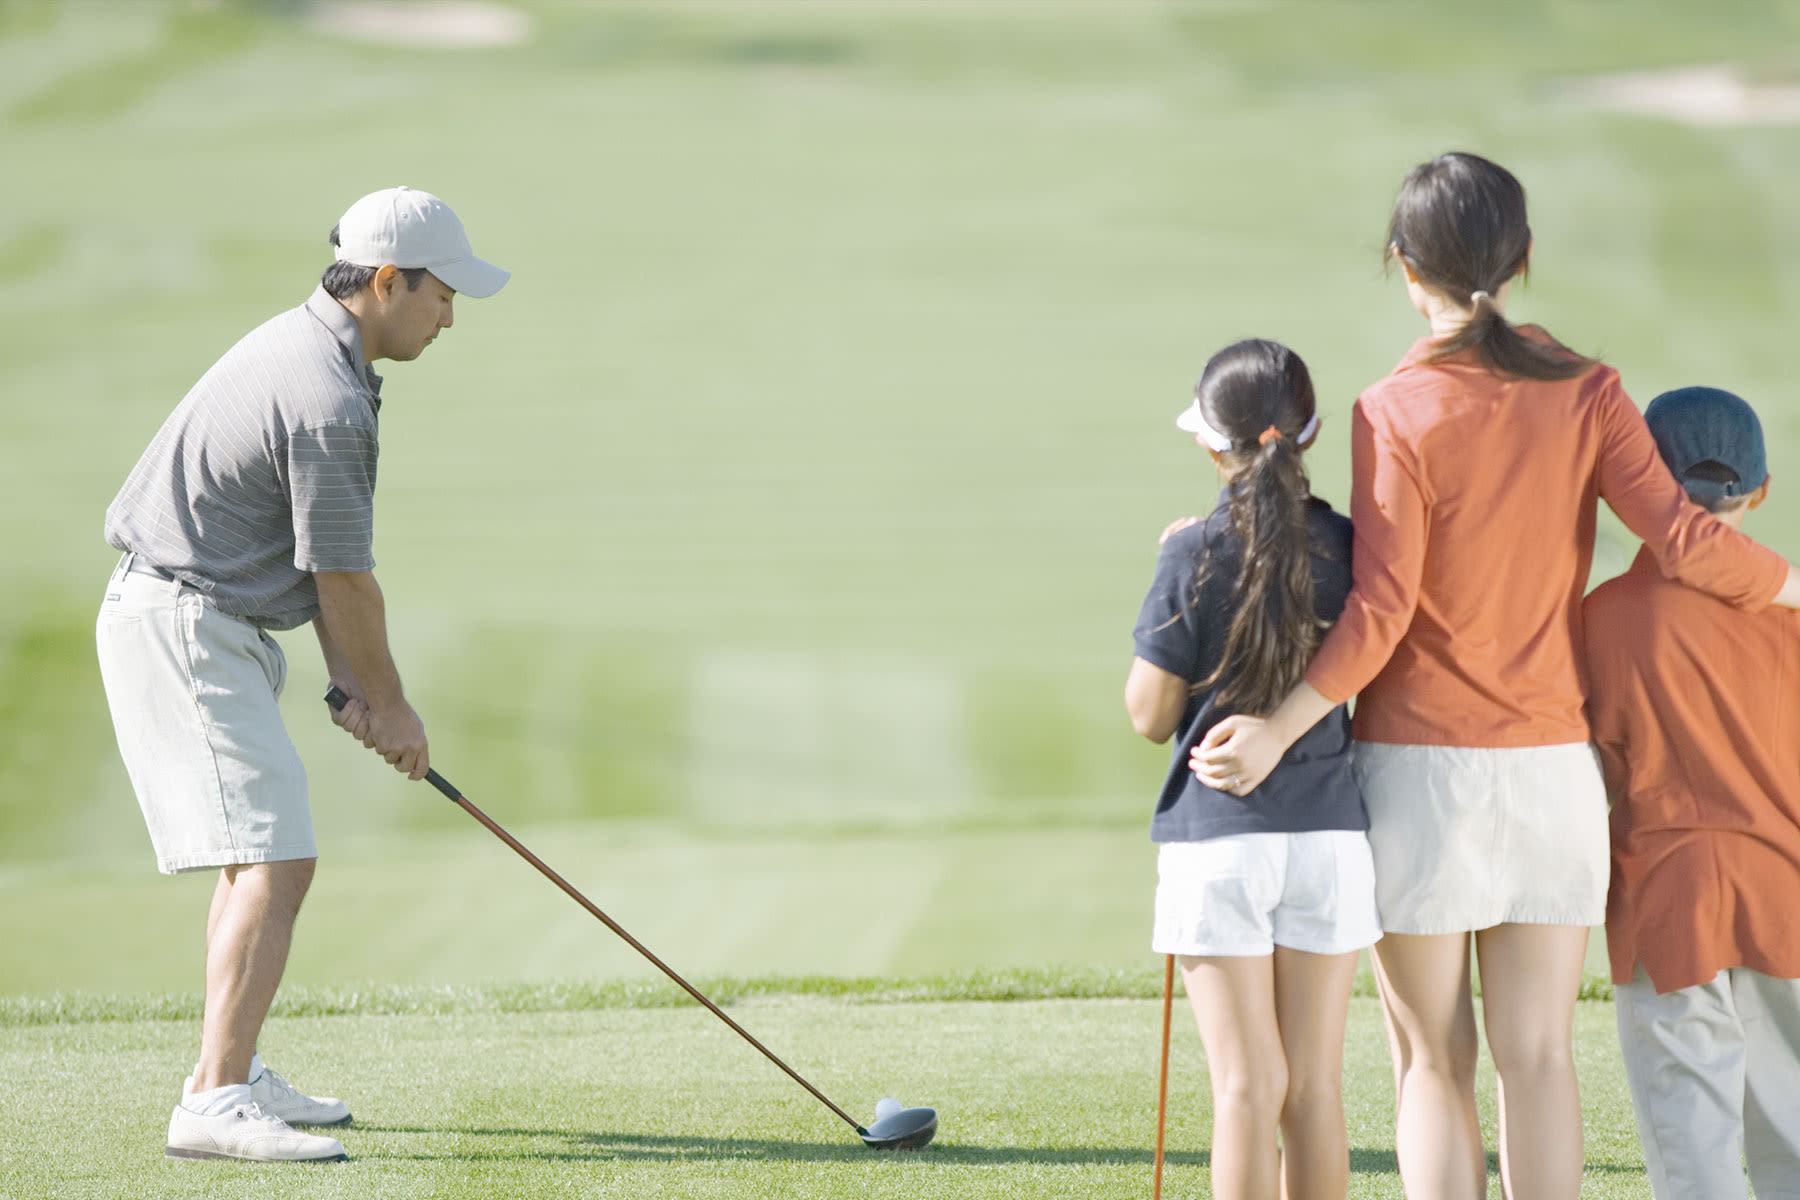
column 766, row 553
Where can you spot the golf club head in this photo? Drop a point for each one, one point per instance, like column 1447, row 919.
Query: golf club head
column 908, row 1129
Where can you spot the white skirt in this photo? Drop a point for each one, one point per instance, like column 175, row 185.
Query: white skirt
column 1468, row 837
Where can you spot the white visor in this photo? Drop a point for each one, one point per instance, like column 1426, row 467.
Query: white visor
column 1194, row 421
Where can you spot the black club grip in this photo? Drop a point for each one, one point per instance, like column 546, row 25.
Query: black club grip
column 337, row 698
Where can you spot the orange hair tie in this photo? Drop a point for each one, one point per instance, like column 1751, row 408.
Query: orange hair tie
column 1268, row 435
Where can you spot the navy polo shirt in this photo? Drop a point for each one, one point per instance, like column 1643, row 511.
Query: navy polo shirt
column 1182, row 629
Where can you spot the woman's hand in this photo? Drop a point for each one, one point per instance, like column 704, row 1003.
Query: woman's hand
column 1237, row 754
column 1175, row 527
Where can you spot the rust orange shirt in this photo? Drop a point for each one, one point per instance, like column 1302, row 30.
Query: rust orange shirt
column 1696, row 711
column 1473, row 497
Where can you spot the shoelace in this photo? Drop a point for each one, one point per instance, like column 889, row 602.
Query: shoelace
column 278, row 1085
column 252, row 1111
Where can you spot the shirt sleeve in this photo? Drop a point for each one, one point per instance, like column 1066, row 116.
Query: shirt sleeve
column 331, row 481
column 1388, row 511
column 1690, row 544
column 1168, row 626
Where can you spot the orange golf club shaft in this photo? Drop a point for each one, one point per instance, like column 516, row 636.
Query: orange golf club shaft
column 1162, row 1075
column 337, row 699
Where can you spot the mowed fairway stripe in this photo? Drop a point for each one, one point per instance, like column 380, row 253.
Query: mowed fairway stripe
column 459, row 907
column 786, row 740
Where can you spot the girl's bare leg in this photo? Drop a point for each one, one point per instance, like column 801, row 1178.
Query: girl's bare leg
column 1312, row 1003
column 1234, row 1004
column 1430, row 1005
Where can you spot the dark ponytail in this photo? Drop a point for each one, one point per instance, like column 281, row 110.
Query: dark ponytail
column 1459, row 221
column 1259, row 395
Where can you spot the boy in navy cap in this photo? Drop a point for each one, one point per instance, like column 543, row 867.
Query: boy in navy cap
column 1695, row 708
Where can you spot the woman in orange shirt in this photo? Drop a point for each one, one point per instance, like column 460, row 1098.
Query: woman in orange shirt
column 1477, row 466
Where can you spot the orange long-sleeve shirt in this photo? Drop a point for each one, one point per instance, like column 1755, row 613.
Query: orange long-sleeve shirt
column 1473, row 497
column 1696, row 712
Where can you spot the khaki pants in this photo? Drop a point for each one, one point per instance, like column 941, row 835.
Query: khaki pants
column 1714, row 1071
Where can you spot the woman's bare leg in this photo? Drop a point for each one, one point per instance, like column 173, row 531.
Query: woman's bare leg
column 1530, row 976
column 1425, row 987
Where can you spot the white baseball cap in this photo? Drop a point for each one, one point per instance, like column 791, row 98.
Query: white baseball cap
column 415, row 229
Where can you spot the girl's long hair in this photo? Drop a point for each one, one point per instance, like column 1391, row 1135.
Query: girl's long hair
column 1259, row 394
column 1459, row 220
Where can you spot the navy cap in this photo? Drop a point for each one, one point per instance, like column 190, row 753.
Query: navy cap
column 1695, row 425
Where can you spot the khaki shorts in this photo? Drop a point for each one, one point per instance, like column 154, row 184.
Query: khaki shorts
column 193, row 696
column 1467, row 838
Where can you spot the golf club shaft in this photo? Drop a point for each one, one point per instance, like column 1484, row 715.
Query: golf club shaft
column 1162, row 1076
column 337, row 699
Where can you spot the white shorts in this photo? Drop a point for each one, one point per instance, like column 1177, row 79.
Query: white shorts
column 1245, row 894
column 193, row 697
column 1469, row 837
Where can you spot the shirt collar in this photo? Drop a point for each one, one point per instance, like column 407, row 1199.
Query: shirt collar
column 342, row 325
column 1421, row 350
column 1428, row 345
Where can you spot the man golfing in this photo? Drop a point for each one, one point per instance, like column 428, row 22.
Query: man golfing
column 252, row 511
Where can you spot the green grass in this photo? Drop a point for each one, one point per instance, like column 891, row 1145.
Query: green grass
column 474, row 1096
column 457, row 908
column 569, row 996
column 1060, row 983
column 765, row 553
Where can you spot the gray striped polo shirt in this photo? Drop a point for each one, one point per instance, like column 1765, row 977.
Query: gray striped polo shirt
column 265, row 472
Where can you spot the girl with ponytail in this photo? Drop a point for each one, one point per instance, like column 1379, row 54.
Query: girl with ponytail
column 1267, row 895
column 1476, row 467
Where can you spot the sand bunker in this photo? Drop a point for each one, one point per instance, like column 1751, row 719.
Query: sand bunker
column 436, row 24
column 1706, row 96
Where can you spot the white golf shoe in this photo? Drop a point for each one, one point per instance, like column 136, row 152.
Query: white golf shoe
column 245, row 1131
column 279, row 1098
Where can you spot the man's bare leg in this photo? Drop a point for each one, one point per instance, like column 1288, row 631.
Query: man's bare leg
column 250, row 927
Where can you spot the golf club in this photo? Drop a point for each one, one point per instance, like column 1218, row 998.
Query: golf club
column 906, row 1129
column 1162, row 1075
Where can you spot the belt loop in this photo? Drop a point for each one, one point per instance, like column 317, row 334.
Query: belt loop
column 125, row 561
